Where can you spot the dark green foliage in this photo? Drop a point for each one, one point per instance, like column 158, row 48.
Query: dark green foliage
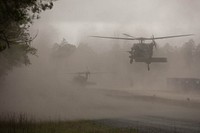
column 16, row 16
column 16, row 55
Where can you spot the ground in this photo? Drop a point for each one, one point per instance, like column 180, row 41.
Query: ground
column 107, row 110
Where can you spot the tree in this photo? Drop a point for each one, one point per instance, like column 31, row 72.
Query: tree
column 188, row 50
column 16, row 16
column 63, row 50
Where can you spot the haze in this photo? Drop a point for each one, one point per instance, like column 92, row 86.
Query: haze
column 44, row 89
column 73, row 18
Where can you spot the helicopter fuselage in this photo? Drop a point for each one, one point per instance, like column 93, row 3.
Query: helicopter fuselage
column 143, row 52
column 82, row 79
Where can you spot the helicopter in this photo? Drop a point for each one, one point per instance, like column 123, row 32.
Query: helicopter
column 81, row 78
column 141, row 51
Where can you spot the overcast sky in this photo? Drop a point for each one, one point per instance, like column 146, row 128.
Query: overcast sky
column 76, row 19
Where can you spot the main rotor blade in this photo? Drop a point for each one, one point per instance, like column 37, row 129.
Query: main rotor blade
column 102, row 72
column 86, row 72
column 77, row 73
column 128, row 35
column 165, row 37
column 142, row 38
column 98, row 72
column 120, row 38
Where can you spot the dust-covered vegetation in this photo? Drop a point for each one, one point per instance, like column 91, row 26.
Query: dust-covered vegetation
column 62, row 50
column 13, row 123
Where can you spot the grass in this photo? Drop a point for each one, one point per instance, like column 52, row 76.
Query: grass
column 21, row 124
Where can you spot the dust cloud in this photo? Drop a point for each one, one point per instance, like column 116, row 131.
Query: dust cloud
column 45, row 89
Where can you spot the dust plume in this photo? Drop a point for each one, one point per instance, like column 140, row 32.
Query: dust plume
column 123, row 90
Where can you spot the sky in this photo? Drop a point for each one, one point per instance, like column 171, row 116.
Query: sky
column 75, row 20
